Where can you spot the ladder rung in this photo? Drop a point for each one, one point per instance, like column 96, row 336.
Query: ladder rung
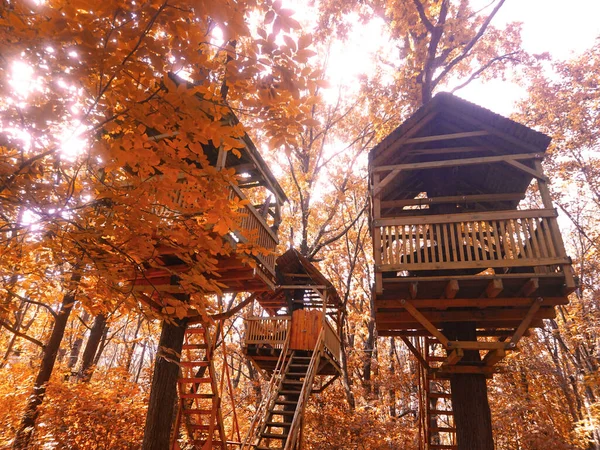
column 438, row 412
column 195, row 395
column 193, row 380
column 193, row 363
column 443, row 429
column 439, row 395
column 195, row 330
column 194, row 347
column 293, row 382
column 285, row 402
column 296, row 374
column 199, row 412
column 436, row 358
column 283, row 413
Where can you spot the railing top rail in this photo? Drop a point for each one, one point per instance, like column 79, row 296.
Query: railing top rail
column 269, row 318
column 466, row 217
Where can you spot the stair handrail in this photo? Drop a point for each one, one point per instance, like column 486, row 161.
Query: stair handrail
column 268, row 400
column 305, row 392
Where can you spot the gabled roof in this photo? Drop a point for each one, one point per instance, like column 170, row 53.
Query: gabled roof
column 449, row 128
column 459, row 111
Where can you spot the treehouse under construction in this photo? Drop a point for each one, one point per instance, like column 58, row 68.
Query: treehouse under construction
column 468, row 253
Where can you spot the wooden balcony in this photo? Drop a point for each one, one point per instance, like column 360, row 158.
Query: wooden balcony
column 485, row 267
column 233, row 271
column 266, row 337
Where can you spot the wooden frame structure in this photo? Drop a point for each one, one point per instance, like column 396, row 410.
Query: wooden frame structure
column 453, row 248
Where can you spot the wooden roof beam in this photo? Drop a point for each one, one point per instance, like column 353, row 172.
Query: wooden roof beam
column 476, row 198
column 396, row 168
column 446, row 137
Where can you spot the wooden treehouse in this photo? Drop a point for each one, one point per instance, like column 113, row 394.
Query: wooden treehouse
column 461, row 265
column 297, row 343
column 199, row 421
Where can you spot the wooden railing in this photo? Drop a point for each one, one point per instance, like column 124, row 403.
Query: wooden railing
column 253, row 229
column 332, row 341
column 271, row 331
column 474, row 240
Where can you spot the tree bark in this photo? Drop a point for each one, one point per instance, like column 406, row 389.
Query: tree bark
column 472, row 415
column 27, row 426
column 91, row 348
column 163, row 393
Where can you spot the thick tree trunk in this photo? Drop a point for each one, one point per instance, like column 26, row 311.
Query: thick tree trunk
column 91, row 348
column 26, row 428
column 472, row 414
column 163, row 393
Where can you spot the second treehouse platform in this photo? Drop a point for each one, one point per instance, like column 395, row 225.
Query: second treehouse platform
column 452, row 242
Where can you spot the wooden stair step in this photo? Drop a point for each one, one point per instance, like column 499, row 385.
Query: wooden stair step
column 286, row 392
column 293, row 382
column 283, row 413
column 194, row 380
column 305, row 358
column 296, row 374
column 285, row 402
column 274, row 436
column 279, row 424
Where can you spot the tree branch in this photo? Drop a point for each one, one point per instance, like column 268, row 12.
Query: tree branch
column 22, row 335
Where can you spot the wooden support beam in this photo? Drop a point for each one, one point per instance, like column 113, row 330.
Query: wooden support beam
column 535, row 306
column 445, row 150
column 478, row 345
column 454, row 357
column 454, row 163
column 530, row 287
column 522, row 167
column 426, row 323
column 467, row 217
column 468, row 369
column 377, row 187
column 445, row 137
column 494, row 288
column 494, row 356
column 451, row 290
column 443, row 304
column 477, row 198
column 415, row 352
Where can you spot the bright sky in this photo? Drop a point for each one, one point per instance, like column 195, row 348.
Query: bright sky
column 563, row 28
column 556, row 26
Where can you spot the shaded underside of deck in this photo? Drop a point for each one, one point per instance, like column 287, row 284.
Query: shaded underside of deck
column 499, row 301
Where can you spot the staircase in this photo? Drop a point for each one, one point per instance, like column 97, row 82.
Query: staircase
column 199, row 421
column 440, row 431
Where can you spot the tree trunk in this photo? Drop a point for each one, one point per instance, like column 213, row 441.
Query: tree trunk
column 91, row 348
column 472, row 414
column 26, row 428
column 163, row 393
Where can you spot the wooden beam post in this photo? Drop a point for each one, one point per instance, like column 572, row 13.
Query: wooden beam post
column 426, row 323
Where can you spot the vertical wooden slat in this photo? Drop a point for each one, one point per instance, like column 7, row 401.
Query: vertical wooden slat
column 464, row 229
column 397, row 247
column 497, row 241
column 515, row 227
column 377, row 245
column 418, row 243
column 488, row 237
column 445, row 230
column 426, row 229
column 510, row 239
column 475, row 240
column 540, row 237
column 438, row 241
column 410, row 255
column 548, row 236
column 404, row 252
column 533, row 238
column 454, row 238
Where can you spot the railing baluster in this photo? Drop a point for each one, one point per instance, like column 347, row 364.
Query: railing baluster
column 418, row 243
column 445, row 230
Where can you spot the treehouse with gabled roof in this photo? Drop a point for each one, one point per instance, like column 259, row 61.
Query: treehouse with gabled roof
column 462, row 268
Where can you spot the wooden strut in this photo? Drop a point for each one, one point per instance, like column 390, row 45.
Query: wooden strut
column 496, row 350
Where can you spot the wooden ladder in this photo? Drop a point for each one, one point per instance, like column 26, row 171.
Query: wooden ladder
column 440, row 431
column 199, row 419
